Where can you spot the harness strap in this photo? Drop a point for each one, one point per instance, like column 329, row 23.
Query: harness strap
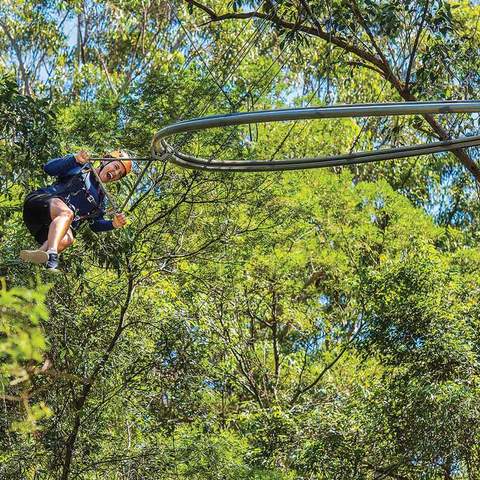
column 83, row 189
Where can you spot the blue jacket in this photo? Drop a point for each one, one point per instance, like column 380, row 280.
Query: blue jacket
column 80, row 191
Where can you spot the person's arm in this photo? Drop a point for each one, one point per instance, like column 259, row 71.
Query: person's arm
column 102, row 225
column 61, row 166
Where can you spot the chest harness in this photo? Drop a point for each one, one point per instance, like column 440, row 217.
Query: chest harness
column 77, row 185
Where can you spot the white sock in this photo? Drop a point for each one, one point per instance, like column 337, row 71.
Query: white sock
column 52, row 250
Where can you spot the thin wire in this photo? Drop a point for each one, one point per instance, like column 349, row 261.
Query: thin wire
column 210, row 101
column 243, row 52
column 229, row 49
column 260, row 31
column 155, row 183
column 223, row 55
column 214, row 78
column 249, row 92
column 329, row 64
column 254, row 102
column 355, row 142
column 181, row 144
column 282, row 143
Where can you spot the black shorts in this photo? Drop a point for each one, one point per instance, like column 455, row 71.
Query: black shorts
column 36, row 215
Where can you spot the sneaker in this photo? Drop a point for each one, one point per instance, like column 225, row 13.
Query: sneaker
column 52, row 263
column 34, row 256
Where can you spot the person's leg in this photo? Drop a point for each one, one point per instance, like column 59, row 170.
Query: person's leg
column 66, row 242
column 48, row 219
column 62, row 218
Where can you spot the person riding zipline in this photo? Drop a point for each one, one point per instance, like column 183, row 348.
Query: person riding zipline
column 53, row 213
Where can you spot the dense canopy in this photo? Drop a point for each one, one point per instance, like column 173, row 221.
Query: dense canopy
column 317, row 324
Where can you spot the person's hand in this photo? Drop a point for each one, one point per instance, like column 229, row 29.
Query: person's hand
column 82, row 157
column 119, row 220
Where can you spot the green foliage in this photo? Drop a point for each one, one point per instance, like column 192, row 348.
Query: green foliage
column 22, row 344
column 27, row 135
column 298, row 325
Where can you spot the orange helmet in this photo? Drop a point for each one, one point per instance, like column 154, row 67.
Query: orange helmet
column 120, row 155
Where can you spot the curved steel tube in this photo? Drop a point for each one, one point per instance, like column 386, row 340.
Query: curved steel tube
column 160, row 146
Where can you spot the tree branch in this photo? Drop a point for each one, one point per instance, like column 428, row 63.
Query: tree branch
column 18, row 53
column 327, row 36
column 327, row 367
column 80, row 402
column 415, row 46
column 379, row 61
